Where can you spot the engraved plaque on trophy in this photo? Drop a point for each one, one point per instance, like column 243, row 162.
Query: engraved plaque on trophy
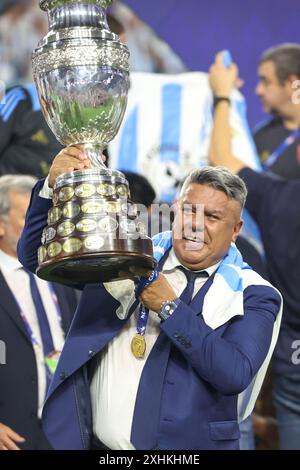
column 82, row 75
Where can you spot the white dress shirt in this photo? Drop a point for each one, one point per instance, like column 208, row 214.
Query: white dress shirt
column 19, row 283
column 117, row 372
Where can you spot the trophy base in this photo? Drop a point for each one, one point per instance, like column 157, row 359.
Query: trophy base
column 92, row 269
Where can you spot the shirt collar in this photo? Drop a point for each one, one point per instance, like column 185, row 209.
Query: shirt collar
column 172, row 263
column 9, row 263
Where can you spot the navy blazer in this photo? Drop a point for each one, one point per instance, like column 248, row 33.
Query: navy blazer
column 187, row 395
column 18, row 377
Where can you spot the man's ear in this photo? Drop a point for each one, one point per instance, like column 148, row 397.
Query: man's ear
column 291, row 84
column 236, row 231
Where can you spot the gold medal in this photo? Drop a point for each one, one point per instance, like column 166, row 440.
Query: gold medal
column 65, row 229
column 54, row 215
column 138, row 346
column 66, row 193
column 72, row 245
column 85, row 190
column 70, row 210
column 54, row 249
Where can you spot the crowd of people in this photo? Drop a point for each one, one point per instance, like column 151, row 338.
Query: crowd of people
column 214, row 325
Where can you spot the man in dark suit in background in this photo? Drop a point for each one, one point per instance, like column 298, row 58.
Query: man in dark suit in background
column 274, row 205
column 32, row 342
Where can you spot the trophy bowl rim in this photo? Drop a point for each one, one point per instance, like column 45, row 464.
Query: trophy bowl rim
column 47, row 5
column 79, row 32
column 115, row 176
column 80, row 42
column 46, row 270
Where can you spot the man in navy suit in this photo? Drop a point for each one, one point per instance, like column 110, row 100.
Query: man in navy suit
column 209, row 336
column 23, row 378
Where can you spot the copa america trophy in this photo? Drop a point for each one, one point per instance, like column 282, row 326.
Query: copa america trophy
column 82, row 75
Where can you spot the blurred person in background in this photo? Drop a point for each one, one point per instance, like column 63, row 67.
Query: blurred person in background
column 278, row 139
column 274, row 203
column 27, row 144
column 22, row 25
column 148, row 53
column 34, row 318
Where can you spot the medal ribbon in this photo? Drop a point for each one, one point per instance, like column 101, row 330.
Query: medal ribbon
column 51, row 360
column 144, row 311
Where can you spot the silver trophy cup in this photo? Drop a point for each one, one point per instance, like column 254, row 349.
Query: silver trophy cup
column 82, row 75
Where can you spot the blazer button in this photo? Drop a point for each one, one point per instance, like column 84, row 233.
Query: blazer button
column 91, row 353
column 63, row 376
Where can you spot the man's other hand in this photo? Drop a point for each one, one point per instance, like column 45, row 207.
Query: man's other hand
column 223, row 79
column 9, row 438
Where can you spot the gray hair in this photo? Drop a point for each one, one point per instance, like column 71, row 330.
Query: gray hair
column 13, row 183
column 218, row 178
column 286, row 59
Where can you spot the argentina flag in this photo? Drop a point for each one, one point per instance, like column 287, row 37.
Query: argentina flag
column 166, row 129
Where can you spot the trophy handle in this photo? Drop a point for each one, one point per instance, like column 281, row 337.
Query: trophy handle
column 94, row 153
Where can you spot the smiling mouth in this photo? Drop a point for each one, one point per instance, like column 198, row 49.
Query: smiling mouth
column 193, row 243
column 194, row 239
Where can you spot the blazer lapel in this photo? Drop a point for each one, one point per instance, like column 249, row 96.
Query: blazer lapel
column 148, row 400
column 64, row 305
column 10, row 306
